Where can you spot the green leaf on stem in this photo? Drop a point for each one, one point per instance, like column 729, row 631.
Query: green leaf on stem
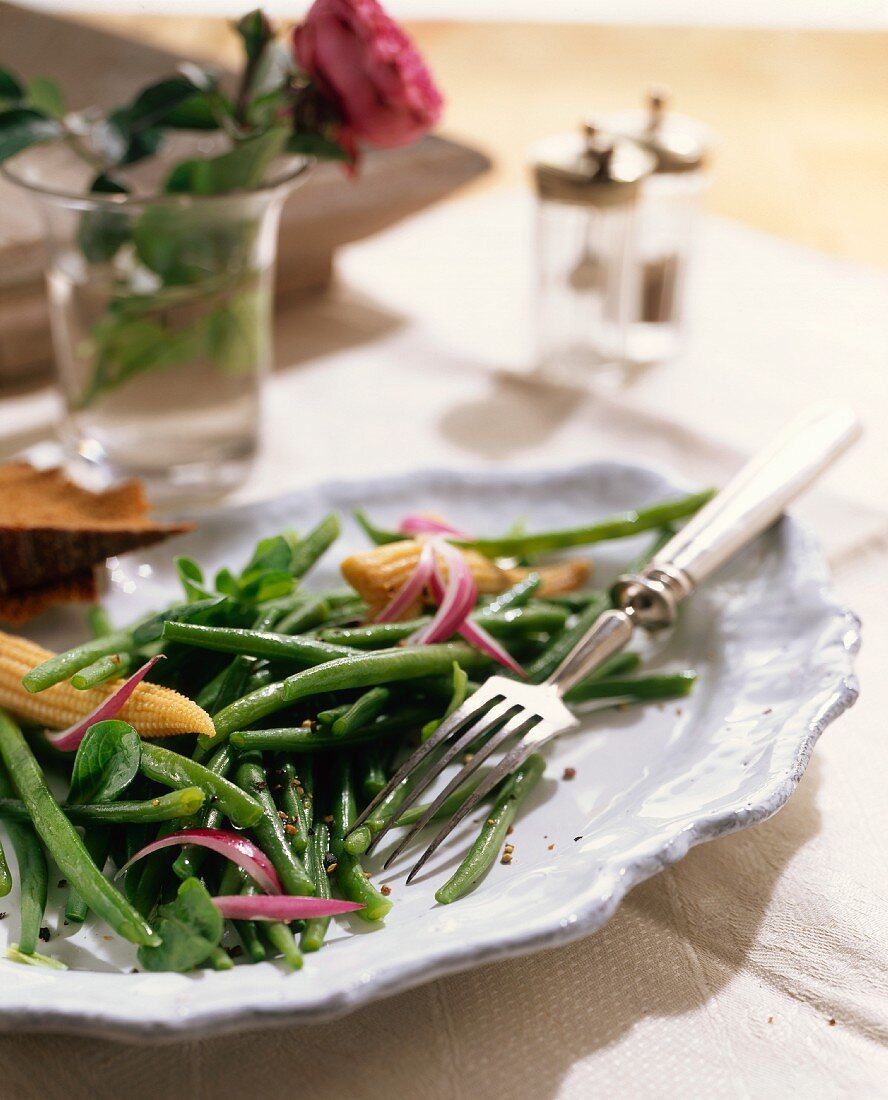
column 21, row 127
column 314, row 145
column 235, row 333
column 154, row 103
column 11, row 91
column 190, row 928
column 241, row 169
column 45, row 96
column 106, row 763
column 102, row 232
column 200, row 112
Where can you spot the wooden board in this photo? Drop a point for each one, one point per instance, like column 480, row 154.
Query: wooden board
column 325, row 212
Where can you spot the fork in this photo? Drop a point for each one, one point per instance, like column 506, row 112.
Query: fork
column 504, row 710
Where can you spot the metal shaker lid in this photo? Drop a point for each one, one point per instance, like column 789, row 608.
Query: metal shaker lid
column 590, row 168
column 678, row 143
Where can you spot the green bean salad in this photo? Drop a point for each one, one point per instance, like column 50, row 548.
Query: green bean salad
column 200, row 850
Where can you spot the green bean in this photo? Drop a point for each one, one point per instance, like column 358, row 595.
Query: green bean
column 365, row 709
column 377, row 535
column 179, row 803
column 174, row 770
column 98, row 844
column 155, row 871
column 272, row 612
column 227, row 685
column 347, row 613
column 5, row 874
column 448, row 807
column 253, row 946
column 616, row 527
column 312, row 613
column 350, row 877
column 205, row 698
column 33, row 875
column 457, row 698
column 63, row 665
column 234, row 880
column 659, row 540
column 269, row 828
column 358, row 841
column 355, row 671
column 303, row 739
column 201, row 611
column 280, row 936
column 255, row 643
column 329, row 716
column 375, row 777
column 618, row 665
column 191, row 858
column 307, row 550
column 578, row 601
column 315, row 929
column 105, row 668
column 501, row 624
column 480, row 857
column 389, row 806
column 220, row 959
column 338, row 598
column 292, row 802
column 63, row 841
column 98, row 621
column 663, row 686
column 558, row 649
column 516, row 596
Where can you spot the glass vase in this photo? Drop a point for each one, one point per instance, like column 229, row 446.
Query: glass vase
column 161, row 315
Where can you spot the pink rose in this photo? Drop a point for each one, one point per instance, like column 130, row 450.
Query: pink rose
column 367, row 65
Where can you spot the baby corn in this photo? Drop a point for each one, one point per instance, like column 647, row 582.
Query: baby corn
column 152, row 710
column 379, row 574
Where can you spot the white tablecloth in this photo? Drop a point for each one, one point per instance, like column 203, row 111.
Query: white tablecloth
column 757, row 966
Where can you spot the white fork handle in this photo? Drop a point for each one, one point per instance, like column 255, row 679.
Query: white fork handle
column 748, row 505
column 759, row 494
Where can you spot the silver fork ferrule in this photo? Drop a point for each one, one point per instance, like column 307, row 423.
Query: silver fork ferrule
column 652, row 596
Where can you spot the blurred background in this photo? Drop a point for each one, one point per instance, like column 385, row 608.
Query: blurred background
column 796, row 90
column 436, row 280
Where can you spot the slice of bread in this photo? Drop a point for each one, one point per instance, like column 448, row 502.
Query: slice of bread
column 52, row 529
column 18, row 607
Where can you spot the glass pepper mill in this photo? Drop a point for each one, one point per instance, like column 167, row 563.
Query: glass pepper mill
column 587, row 185
column 668, row 212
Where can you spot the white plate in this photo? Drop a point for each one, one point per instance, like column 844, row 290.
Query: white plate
column 774, row 652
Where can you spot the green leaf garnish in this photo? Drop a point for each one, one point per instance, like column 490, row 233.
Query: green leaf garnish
column 190, row 928
column 106, row 763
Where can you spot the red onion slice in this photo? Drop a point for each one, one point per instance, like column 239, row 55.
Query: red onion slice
column 413, row 587
column 69, row 739
column 416, row 524
column 280, row 907
column 233, row 846
column 478, row 637
column 456, row 598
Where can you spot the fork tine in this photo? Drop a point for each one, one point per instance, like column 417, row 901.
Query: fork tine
column 517, row 723
column 485, row 724
column 512, row 760
column 484, row 695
